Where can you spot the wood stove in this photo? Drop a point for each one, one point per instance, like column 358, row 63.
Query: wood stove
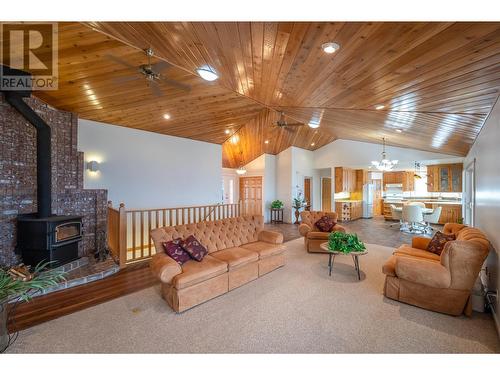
column 53, row 238
column 42, row 236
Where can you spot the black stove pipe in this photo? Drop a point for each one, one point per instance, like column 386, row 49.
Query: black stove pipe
column 43, row 150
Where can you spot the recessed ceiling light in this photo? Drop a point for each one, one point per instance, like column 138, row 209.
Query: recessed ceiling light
column 207, row 73
column 379, row 107
column 266, row 141
column 313, row 124
column 399, row 130
column 166, row 116
column 312, row 144
column 330, row 47
column 234, row 139
column 227, row 131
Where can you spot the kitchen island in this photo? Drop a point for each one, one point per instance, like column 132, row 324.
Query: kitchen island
column 451, row 209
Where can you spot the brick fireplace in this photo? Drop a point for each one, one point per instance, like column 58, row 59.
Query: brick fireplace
column 18, row 177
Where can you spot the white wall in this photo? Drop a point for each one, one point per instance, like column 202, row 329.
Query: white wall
column 354, row 154
column 487, row 178
column 284, row 182
column 269, row 187
column 148, row 170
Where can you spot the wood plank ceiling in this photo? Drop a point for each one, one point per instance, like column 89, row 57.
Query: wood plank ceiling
column 437, row 81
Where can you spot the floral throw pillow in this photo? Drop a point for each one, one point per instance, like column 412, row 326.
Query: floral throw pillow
column 437, row 243
column 325, row 224
column 194, row 248
column 175, row 251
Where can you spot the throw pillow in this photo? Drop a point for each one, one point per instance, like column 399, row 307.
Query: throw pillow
column 437, row 243
column 194, row 248
column 174, row 250
column 325, row 224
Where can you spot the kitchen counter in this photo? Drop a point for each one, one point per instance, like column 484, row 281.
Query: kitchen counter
column 348, row 200
column 451, row 210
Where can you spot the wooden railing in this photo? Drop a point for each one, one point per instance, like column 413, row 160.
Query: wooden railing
column 129, row 238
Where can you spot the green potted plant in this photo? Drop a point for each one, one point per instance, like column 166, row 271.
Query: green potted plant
column 13, row 287
column 298, row 203
column 277, row 204
column 345, row 242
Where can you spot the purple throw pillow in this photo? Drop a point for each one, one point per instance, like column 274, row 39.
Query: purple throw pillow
column 194, row 248
column 325, row 224
column 438, row 241
column 175, row 251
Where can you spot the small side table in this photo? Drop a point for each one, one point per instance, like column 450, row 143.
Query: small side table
column 332, row 254
column 276, row 215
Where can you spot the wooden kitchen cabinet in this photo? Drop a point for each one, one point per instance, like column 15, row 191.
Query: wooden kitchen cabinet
column 450, row 213
column 361, row 179
column 345, row 180
column 444, row 178
column 405, row 178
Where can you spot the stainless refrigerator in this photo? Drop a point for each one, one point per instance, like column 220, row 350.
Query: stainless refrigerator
column 368, row 196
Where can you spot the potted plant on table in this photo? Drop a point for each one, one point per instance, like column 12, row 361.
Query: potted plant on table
column 345, row 242
column 18, row 284
column 277, row 204
column 298, row 203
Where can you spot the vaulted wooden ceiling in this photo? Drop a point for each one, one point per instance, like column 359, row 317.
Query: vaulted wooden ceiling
column 437, row 81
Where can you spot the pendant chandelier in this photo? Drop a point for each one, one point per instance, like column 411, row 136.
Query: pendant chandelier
column 241, row 170
column 384, row 164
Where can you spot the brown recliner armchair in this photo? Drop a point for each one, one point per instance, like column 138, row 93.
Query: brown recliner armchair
column 439, row 283
column 313, row 237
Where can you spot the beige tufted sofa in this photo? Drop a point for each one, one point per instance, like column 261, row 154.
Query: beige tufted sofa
column 239, row 251
column 313, row 237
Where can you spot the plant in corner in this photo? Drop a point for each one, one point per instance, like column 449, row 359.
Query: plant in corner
column 298, row 203
column 277, row 204
column 345, row 242
column 14, row 288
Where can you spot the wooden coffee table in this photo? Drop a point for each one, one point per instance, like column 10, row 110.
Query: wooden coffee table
column 332, row 254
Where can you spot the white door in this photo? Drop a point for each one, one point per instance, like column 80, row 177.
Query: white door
column 469, row 193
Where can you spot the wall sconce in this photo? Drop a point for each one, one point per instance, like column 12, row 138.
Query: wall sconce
column 93, row 166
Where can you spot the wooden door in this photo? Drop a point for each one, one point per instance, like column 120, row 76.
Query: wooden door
column 326, row 194
column 251, row 195
column 307, row 193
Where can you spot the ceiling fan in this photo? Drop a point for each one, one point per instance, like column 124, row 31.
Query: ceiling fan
column 282, row 123
column 151, row 72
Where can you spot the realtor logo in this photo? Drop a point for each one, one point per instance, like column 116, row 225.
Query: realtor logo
column 32, row 48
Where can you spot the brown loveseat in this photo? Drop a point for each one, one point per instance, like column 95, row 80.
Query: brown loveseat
column 239, row 251
column 439, row 283
column 313, row 237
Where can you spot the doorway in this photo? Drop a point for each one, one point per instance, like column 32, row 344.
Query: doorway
column 307, row 193
column 251, row 195
column 470, row 193
column 326, row 194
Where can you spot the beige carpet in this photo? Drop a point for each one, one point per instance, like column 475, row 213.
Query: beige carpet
column 296, row 309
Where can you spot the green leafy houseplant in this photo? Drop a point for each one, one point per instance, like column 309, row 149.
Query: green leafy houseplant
column 277, row 204
column 345, row 242
column 12, row 288
column 298, row 202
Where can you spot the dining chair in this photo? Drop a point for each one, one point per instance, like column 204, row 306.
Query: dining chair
column 412, row 214
column 420, row 204
column 433, row 218
column 396, row 215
